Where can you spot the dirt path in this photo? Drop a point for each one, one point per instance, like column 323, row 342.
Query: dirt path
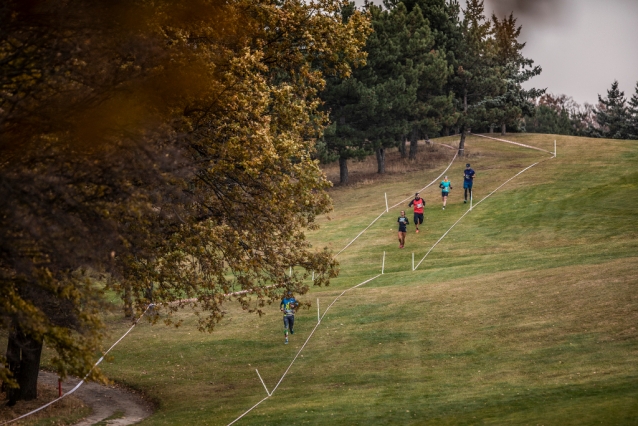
column 109, row 404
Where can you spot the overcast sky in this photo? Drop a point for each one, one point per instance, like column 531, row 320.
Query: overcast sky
column 582, row 45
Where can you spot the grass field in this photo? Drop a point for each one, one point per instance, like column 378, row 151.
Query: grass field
column 526, row 313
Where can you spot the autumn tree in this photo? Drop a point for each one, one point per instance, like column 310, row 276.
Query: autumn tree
column 166, row 144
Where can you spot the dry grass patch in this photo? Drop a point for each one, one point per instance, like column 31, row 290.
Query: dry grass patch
column 64, row 412
column 364, row 172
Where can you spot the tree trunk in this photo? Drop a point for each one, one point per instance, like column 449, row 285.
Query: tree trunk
column 414, row 141
column 457, row 131
column 491, row 128
column 446, row 131
column 343, row 170
column 462, row 143
column 402, row 147
column 465, row 101
column 128, row 301
column 503, row 129
column 23, row 357
column 149, row 295
column 381, row 160
column 428, row 142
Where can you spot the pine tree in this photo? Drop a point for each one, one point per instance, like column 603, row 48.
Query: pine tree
column 611, row 114
column 513, row 102
column 632, row 116
column 476, row 77
column 392, row 72
column 435, row 112
column 350, row 106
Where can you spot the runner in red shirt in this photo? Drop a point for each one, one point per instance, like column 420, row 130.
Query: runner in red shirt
column 419, row 204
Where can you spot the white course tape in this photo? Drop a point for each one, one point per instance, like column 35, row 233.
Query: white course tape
column 301, row 349
column 391, row 207
column 513, row 143
column 85, row 377
column 431, row 183
column 360, row 233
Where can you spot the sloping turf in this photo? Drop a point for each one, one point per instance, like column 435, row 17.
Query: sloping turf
column 526, row 313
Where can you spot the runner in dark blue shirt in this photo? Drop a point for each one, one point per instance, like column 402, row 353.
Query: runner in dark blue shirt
column 288, row 306
column 468, row 179
column 403, row 228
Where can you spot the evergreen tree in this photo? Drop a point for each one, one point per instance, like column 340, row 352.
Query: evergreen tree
column 632, row 116
column 350, row 105
column 549, row 120
column 394, row 65
column 509, row 106
column 434, row 106
column 435, row 99
column 476, row 77
column 611, row 114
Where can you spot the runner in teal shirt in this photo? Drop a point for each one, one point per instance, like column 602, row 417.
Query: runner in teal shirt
column 445, row 186
column 288, row 306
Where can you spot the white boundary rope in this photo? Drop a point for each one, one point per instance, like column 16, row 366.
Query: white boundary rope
column 400, row 202
column 431, row 183
column 85, row 377
column 301, row 349
column 513, row 143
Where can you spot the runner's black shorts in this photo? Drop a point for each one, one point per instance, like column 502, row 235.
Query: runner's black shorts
column 444, row 194
column 418, row 218
column 289, row 321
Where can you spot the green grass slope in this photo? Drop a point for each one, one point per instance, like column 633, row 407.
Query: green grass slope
column 526, row 313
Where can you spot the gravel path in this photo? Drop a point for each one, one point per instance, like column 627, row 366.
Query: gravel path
column 121, row 407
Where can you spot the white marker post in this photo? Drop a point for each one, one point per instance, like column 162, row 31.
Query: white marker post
column 290, row 273
column 386, row 201
column 413, row 261
column 554, row 147
column 318, row 317
column 383, row 263
column 313, row 275
column 471, row 198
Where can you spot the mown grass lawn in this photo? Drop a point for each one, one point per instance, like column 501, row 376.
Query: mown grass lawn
column 526, row 313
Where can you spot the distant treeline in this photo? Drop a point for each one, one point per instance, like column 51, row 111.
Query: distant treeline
column 614, row 116
column 435, row 69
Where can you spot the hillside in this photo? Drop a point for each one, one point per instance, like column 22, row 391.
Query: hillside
column 525, row 313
